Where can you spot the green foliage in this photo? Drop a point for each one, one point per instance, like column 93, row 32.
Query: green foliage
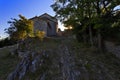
column 89, row 18
column 40, row 34
column 20, row 29
column 8, row 62
column 6, row 42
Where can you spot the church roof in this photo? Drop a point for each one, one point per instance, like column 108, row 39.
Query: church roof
column 45, row 16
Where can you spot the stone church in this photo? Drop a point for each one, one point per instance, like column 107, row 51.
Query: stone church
column 45, row 23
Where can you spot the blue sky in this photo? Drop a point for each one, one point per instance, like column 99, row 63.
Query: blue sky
column 28, row 8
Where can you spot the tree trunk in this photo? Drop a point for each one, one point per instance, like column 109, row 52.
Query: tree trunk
column 84, row 38
column 91, row 37
column 99, row 40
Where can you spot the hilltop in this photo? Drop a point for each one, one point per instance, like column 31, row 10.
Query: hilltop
column 61, row 59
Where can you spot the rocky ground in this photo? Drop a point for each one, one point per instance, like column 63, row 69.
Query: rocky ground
column 63, row 59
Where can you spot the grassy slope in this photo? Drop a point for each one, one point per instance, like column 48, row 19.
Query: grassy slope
column 105, row 62
column 91, row 56
column 7, row 62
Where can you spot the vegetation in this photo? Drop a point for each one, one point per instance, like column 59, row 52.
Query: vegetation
column 20, row 29
column 7, row 62
column 40, row 34
column 7, row 42
column 92, row 20
column 84, row 57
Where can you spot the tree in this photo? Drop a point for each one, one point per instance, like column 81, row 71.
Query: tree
column 88, row 17
column 77, row 13
column 20, row 29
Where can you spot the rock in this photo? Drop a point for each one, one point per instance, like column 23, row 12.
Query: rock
column 67, row 65
column 59, row 64
column 22, row 54
column 111, row 47
column 12, row 49
column 30, row 63
column 43, row 77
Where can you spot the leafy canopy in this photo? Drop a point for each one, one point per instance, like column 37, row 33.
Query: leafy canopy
column 89, row 18
column 20, row 28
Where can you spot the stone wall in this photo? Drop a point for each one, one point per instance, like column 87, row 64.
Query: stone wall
column 46, row 23
column 40, row 25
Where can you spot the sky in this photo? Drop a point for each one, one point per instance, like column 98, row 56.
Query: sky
column 117, row 7
column 28, row 8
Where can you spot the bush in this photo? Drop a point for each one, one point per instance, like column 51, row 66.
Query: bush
column 40, row 34
column 7, row 42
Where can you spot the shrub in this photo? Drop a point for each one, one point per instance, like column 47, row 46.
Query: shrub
column 40, row 34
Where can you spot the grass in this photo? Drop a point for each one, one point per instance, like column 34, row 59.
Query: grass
column 7, row 62
column 35, row 44
column 90, row 55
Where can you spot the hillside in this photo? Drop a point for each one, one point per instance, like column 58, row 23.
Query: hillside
column 7, row 61
column 62, row 59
